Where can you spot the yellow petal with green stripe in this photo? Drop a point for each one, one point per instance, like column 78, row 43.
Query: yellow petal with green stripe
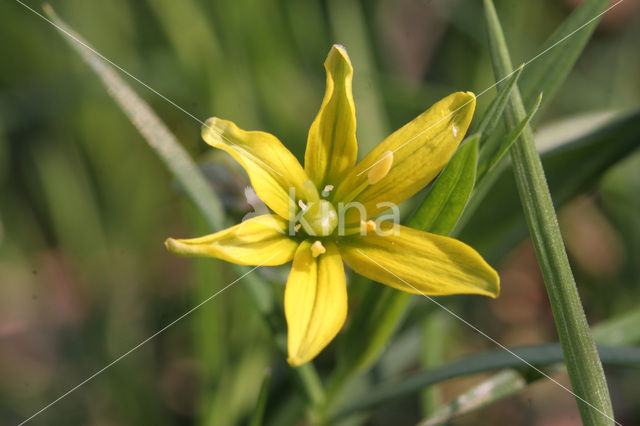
column 315, row 302
column 421, row 148
column 332, row 148
column 420, row 263
column 261, row 240
column 272, row 168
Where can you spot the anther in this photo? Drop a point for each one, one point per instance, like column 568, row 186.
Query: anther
column 381, row 168
column 317, row 249
column 327, row 189
column 297, row 227
column 367, row 226
column 302, row 205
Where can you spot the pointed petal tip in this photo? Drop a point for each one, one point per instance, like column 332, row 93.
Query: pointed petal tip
column 338, row 58
column 340, row 49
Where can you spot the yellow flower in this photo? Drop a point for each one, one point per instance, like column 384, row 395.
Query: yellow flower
column 323, row 211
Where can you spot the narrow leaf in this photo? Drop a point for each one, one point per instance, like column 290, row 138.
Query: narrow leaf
column 537, row 355
column 490, row 156
column 548, row 70
column 623, row 330
column 499, row 386
column 572, row 164
column 492, row 115
column 449, row 194
column 261, row 405
column 583, row 365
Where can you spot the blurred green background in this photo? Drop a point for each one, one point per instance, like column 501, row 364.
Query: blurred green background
column 85, row 205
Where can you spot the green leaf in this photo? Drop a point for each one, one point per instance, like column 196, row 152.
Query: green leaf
column 492, row 115
column 583, row 365
column 548, row 70
column 372, row 327
column 623, row 330
column 573, row 162
column 537, row 355
column 449, row 194
column 261, row 405
column 501, row 385
column 490, row 156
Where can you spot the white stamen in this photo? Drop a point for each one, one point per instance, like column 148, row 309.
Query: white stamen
column 302, row 205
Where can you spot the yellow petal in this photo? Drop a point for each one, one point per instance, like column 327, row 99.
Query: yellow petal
column 272, row 168
column 420, row 150
column 315, row 302
column 420, row 263
column 261, row 240
column 331, row 145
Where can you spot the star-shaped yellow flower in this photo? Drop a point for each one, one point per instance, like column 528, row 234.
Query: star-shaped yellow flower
column 323, row 213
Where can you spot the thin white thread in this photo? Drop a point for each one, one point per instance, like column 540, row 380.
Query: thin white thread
column 493, row 340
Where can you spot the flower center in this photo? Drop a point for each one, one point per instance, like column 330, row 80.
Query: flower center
column 320, row 219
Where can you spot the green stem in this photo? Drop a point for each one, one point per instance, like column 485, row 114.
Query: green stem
column 583, row 363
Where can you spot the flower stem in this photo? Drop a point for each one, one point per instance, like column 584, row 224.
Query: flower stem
column 583, row 363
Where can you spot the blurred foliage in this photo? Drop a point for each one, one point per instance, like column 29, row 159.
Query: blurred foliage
column 85, row 205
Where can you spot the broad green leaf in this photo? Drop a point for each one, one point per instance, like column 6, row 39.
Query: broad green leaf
column 583, row 364
column 537, row 355
column 548, row 70
column 449, row 194
column 491, row 155
column 573, row 161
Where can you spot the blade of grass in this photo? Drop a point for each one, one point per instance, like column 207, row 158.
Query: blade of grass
column 537, row 355
column 623, row 330
column 261, row 405
column 561, row 51
column 572, row 163
column 492, row 155
column 504, row 383
column 492, row 115
column 584, row 367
